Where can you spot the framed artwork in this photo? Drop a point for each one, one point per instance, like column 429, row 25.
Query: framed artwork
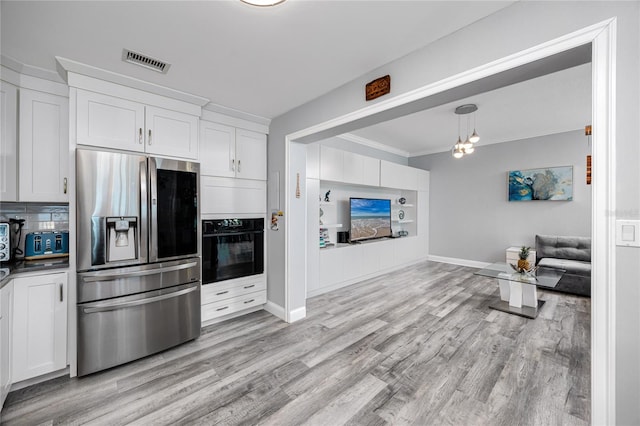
column 549, row 184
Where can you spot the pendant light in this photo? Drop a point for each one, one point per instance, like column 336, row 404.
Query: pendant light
column 263, row 3
column 466, row 147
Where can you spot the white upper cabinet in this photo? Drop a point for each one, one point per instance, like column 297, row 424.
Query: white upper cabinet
column 8, row 142
column 44, row 147
column 343, row 166
column 251, row 155
column 331, row 164
column 171, row 133
column 109, row 122
column 394, row 175
column 229, row 152
column 217, row 149
column 117, row 123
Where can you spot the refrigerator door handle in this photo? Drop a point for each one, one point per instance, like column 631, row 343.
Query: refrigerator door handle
column 114, row 305
column 153, row 210
column 110, row 277
column 144, row 211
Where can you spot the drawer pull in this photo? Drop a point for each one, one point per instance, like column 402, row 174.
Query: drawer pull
column 149, row 139
column 222, row 292
column 223, row 308
column 249, row 286
column 249, row 301
column 61, row 293
column 140, row 135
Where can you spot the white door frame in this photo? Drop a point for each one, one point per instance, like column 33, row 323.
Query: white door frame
column 602, row 36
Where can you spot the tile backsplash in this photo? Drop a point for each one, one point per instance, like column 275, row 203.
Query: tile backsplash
column 37, row 216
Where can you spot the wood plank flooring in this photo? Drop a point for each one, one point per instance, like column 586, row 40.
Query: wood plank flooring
column 418, row 347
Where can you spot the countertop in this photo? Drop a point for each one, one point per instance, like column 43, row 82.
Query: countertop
column 9, row 270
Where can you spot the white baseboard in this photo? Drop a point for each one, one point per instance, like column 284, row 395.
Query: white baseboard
column 297, row 314
column 456, row 261
column 39, row 379
column 275, row 310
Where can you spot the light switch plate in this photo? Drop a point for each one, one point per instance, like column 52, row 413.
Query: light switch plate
column 628, row 233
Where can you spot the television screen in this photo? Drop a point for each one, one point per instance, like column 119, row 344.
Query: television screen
column 370, row 218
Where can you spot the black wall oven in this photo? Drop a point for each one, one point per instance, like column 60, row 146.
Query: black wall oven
column 232, row 248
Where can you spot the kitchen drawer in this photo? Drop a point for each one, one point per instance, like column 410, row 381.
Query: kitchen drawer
column 235, row 304
column 216, row 292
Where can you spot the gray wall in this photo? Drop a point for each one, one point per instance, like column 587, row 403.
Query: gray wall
column 470, row 215
column 509, row 31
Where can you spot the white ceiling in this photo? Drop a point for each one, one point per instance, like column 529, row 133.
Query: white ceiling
column 550, row 104
column 263, row 61
column 267, row 61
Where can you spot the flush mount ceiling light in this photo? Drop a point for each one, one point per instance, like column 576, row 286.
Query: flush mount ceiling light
column 467, row 147
column 263, row 3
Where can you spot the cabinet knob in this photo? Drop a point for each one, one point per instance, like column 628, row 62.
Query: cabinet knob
column 64, row 184
column 239, row 166
column 140, row 135
column 233, row 165
column 149, row 139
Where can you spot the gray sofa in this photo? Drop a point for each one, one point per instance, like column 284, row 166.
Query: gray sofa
column 573, row 254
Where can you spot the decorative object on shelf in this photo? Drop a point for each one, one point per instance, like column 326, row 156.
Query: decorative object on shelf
column 326, row 197
column 403, row 233
column 402, row 200
column 321, row 213
column 551, row 184
column 378, row 87
column 343, row 237
column 467, row 147
column 401, row 214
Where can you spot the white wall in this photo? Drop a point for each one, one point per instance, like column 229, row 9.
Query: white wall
column 470, row 215
column 509, row 31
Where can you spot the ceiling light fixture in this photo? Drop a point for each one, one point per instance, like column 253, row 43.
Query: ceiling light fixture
column 467, row 147
column 263, row 3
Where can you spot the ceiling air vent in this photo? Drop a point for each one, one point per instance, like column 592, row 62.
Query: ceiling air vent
column 145, row 61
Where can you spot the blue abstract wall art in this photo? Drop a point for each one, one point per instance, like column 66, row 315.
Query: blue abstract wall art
column 552, row 184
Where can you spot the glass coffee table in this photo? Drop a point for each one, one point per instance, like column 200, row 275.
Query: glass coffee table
column 518, row 292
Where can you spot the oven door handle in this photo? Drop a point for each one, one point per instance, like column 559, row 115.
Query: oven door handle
column 112, row 306
column 228, row 234
column 111, row 277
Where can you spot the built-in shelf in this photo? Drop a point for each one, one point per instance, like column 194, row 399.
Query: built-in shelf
column 402, row 221
column 331, row 225
column 402, row 205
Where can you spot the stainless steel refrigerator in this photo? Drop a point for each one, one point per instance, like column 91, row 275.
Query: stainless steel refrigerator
column 138, row 256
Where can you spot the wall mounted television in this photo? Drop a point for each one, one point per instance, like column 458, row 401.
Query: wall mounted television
column 370, row 218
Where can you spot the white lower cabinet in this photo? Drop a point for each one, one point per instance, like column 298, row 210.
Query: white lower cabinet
column 344, row 265
column 39, row 325
column 5, row 341
column 227, row 297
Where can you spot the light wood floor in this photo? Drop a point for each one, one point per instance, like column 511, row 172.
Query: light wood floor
column 416, row 347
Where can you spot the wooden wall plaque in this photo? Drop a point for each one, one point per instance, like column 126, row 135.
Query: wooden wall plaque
column 378, row 87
